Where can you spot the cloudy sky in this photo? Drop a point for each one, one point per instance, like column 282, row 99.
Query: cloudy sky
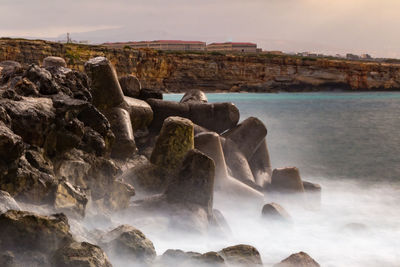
column 328, row 26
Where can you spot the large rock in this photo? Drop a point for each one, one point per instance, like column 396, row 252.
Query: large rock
column 195, row 182
column 140, row 112
column 7, row 202
column 176, row 257
column 287, row 180
column 126, row 243
column 130, row 85
column 248, row 135
column 51, row 61
column 11, row 145
column 313, row 192
column 241, row 255
column 43, row 80
column 70, row 199
column 106, row 91
column 175, row 140
column 275, row 212
column 210, row 144
column 194, row 96
column 23, row 231
column 31, row 118
column 300, row 259
column 260, row 165
column 124, row 145
column 217, row 117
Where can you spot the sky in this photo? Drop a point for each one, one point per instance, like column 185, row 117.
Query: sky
column 323, row 26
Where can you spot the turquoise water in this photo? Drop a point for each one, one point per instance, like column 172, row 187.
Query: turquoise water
column 349, row 135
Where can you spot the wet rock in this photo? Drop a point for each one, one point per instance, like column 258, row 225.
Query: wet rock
column 241, row 255
column 175, row 140
column 11, row 145
column 300, row 259
column 275, row 212
column 194, row 96
column 126, row 243
column 38, row 160
column 140, row 112
column 146, row 93
column 195, row 182
column 23, row 231
column 216, row 117
column 70, row 200
column 119, row 195
column 82, row 254
column 260, row 165
column 54, row 62
column 31, row 118
column 7, row 202
column 176, row 257
column 287, row 180
column 124, row 145
column 106, row 90
column 130, row 85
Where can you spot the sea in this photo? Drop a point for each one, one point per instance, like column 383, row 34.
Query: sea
column 349, row 143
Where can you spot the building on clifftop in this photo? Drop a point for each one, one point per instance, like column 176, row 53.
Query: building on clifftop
column 172, row 45
column 233, row 47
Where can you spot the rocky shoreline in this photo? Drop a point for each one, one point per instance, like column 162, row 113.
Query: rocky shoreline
column 82, row 151
column 180, row 72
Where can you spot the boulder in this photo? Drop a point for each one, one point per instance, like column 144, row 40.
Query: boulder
column 176, row 257
column 195, row 182
column 126, row 243
column 106, row 91
column 119, row 195
column 210, row 144
column 11, row 145
column 216, row 117
column 260, row 165
column 248, row 135
column 241, row 255
column 313, row 192
column 124, row 145
column 70, row 200
column 54, row 62
column 287, row 180
column 175, row 140
column 43, row 80
column 140, row 112
column 130, row 86
column 300, row 259
column 275, row 212
column 194, row 96
column 7, row 202
column 23, row 231
column 31, row 118
column 25, row 87
column 82, row 254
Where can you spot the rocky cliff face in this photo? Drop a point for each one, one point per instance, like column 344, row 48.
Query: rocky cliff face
column 178, row 72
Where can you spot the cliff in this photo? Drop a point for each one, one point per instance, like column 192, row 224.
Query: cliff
column 177, row 71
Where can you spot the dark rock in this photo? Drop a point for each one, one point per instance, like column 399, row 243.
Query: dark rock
column 25, row 87
column 260, row 165
column 275, row 212
column 195, row 182
column 37, row 159
column 11, row 145
column 42, row 79
column 176, row 257
column 287, row 180
column 146, row 93
column 175, row 140
column 126, row 243
column 7, row 202
column 7, row 259
column 54, row 62
column 216, row 117
column 241, row 255
column 130, row 85
column 82, row 254
column 11, row 94
column 7, row 69
column 124, row 145
column 106, row 90
column 194, row 96
column 140, row 112
column 300, row 259
column 24, row 231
